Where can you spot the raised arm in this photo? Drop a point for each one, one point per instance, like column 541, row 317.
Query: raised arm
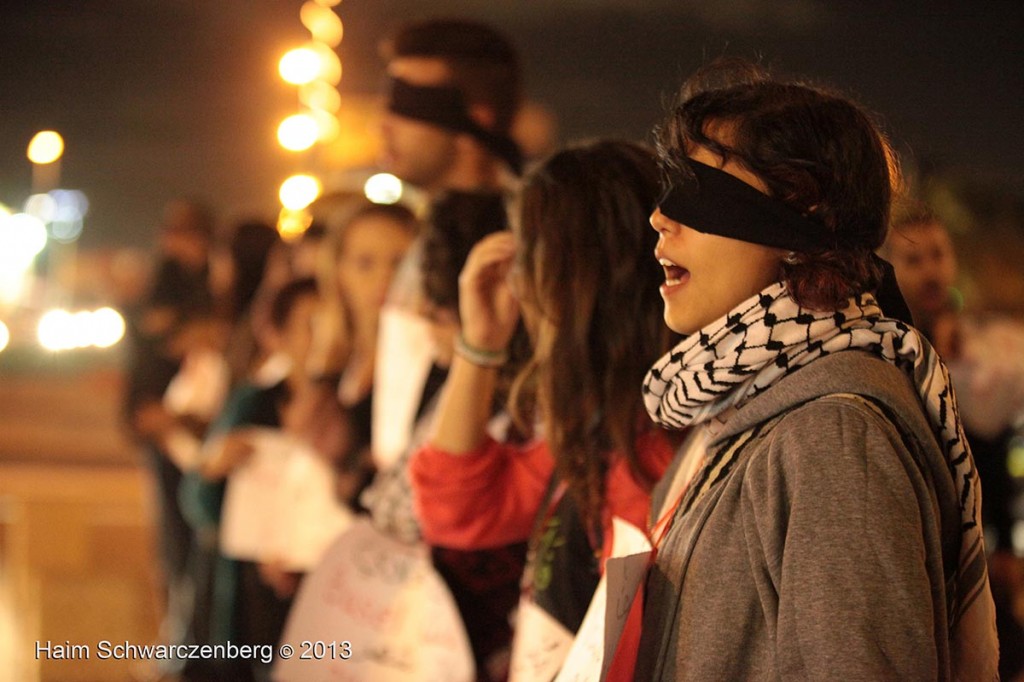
column 489, row 313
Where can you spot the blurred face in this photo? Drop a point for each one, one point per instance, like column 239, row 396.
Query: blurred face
column 372, row 250
column 297, row 335
column 707, row 275
column 925, row 265
column 417, row 152
column 181, row 238
column 222, row 272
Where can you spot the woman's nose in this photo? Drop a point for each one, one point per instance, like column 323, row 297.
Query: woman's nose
column 659, row 222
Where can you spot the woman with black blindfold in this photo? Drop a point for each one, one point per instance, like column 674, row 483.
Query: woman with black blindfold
column 822, row 521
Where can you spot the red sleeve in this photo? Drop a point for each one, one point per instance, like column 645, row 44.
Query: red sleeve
column 485, row 498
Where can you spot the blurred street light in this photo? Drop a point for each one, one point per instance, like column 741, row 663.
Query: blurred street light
column 60, row 329
column 320, row 95
column 299, row 191
column 291, row 224
column 327, row 125
column 300, row 66
column 45, row 147
column 383, row 188
column 298, row 132
column 22, row 238
column 323, row 24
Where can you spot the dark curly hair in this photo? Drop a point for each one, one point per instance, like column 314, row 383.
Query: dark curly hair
column 814, row 149
column 457, row 221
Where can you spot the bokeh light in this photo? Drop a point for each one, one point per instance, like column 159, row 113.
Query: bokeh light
column 292, row 224
column 71, row 204
column 322, row 23
column 298, row 132
column 330, row 64
column 299, row 191
column 383, row 188
column 56, row 330
column 300, row 66
column 327, row 125
column 45, row 147
column 71, row 208
column 22, row 238
column 320, row 95
column 41, row 206
column 60, row 330
column 107, row 327
column 5, row 336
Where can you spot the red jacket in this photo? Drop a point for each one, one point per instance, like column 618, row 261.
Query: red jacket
column 491, row 496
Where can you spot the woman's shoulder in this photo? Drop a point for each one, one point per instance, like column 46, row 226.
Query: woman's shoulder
column 833, row 438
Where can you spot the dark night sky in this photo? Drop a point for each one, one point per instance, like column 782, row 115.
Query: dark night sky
column 159, row 99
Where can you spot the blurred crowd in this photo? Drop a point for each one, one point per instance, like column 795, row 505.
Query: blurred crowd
column 467, row 373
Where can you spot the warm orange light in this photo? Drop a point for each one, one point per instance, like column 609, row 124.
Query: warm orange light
column 327, row 125
column 298, row 132
column 330, row 64
column 299, row 191
column 320, row 95
column 322, row 23
column 292, row 224
column 46, row 147
column 300, row 66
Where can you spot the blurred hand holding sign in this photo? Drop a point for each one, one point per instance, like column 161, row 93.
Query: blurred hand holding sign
column 386, row 600
column 280, row 505
column 404, row 357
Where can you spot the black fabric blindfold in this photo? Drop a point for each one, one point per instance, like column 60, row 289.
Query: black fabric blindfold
column 715, row 202
column 446, row 107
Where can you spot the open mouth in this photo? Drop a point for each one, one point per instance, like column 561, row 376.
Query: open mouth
column 674, row 274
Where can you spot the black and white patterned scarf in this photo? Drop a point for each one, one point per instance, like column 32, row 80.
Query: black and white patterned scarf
column 768, row 336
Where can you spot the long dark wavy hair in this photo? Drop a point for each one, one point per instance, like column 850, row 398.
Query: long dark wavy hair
column 588, row 278
column 815, row 150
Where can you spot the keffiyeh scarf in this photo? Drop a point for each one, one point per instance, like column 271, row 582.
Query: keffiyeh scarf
column 768, row 336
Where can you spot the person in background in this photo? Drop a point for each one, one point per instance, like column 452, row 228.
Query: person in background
column 577, row 265
column 249, row 601
column 483, row 583
column 823, row 520
column 985, row 355
column 178, row 296
column 238, row 276
column 357, row 264
column 455, row 92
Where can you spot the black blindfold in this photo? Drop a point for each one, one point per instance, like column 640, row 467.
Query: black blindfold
column 715, row 202
column 445, row 107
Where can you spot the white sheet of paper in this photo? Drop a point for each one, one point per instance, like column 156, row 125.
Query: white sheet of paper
column 540, row 645
column 601, row 628
column 281, row 506
column 385, row 598
column 405, row 352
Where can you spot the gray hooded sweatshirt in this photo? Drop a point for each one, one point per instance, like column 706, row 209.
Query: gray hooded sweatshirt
column 823, row 551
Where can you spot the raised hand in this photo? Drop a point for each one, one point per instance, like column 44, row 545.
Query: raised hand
column 487, row 305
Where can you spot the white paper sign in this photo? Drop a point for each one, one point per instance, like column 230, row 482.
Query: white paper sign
column 405, row 352
column 598, row 636
column 280, row 505
column 540, row 645
column 386, row 600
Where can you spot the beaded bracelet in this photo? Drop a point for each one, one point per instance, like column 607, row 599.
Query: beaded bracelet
column 479, row 356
